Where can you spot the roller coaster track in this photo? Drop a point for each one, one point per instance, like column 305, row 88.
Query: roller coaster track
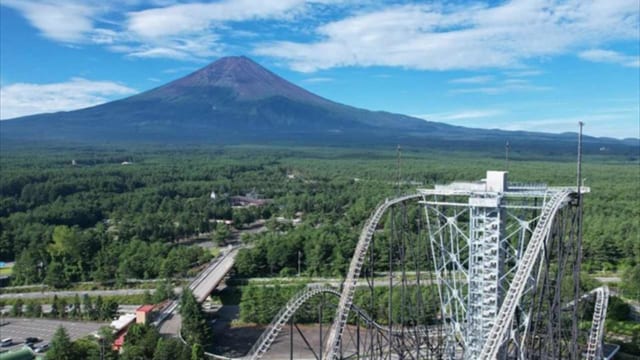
column 594, row 344
column 264, row 342
column 268, row 336
column 512, row 298
column 346, row 298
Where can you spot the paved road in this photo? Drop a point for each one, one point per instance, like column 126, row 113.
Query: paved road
column 19, row 328
column 213, row 275
column 169, row 321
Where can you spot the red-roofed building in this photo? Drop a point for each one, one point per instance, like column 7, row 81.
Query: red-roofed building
column 143, row 314
column 119, row 341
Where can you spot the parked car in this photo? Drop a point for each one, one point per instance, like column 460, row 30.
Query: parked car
column 42, row 348
column 31, row 340
column 6, row 342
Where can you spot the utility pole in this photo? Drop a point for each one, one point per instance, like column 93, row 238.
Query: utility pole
column 577, row 266
column 399, row 168
column 579, row 172
column 507, row 147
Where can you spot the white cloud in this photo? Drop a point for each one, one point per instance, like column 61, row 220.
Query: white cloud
column 609, row 125
column 446, row 37
column 318, row 79
column 524, row 73
column 165, row 29
column 180, row 69
column 159, row 52
column 472, row 80
column 612, row 57
column 195, row 17
column 22, row 99
column 616, row 122
column 507, row 86
column 438, row 35
column 58, row 20
column 460, row 116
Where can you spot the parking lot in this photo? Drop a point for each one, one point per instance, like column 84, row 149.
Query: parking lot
column 20, row 328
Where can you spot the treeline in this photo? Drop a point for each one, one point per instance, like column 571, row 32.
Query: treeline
column 259, row 304
column 81, row 255
column 111, row 213
column 86, row 308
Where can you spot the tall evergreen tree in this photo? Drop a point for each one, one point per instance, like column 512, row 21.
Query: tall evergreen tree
column 55, row 307
column 96, row 313
column 61, row 346
column 16, row 309
column 194, row 323
column 87, row 306
column 76, row 312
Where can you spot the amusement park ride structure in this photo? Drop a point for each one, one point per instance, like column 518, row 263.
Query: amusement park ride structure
column 487, row 270
column 501, row 261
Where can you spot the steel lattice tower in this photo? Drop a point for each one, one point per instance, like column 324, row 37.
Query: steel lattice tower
column 478, row 231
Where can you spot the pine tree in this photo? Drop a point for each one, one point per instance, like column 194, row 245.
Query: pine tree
column 96, row 313
column 87, row 306
column 55, row 275
column 30, row 309
column 76, row 313
column 37, row 310
column 16, row 309
column 55, row 307
column 61, row 346
column 62, row 308
column 194, row 323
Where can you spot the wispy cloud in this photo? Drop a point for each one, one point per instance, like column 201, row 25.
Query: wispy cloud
column 22, row 99
column 524, row 73
column 612, row 57
column 318, row 79
column 508, row 85
column 457, row 116
column 196, row 17
column 62, row 21
column 616, row 122
column 178, row 69
column 612, row 122
column 163, row 29
column 438, row 35
column 441, row 36
column 472, row 80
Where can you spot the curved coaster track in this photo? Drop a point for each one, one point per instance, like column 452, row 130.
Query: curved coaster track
column 482, row 270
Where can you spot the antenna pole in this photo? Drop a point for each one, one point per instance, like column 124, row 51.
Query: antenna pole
column 507, row 147
column 579, row 172
column 578, row 264
column 399, row 167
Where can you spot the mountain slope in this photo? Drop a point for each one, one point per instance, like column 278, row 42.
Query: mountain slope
column 236, row 100
column 233, row 95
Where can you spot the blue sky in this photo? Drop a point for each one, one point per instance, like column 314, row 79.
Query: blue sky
column 537, row 65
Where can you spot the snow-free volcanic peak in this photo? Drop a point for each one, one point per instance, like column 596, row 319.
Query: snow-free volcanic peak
column 235, row 100
column 247, row 79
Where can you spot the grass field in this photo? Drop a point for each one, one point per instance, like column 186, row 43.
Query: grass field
column 6, row 270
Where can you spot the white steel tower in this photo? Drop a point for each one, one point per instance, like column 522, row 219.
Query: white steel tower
column 478, row 232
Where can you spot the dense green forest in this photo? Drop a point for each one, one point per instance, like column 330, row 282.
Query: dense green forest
column 104, row 220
